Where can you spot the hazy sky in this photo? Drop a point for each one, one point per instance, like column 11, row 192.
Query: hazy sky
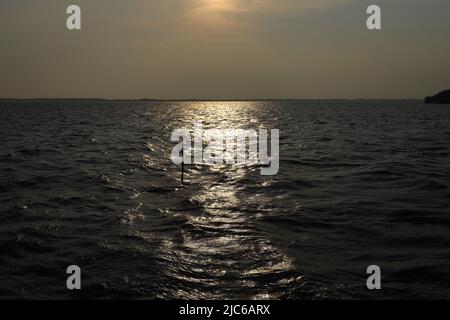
column 224, row 49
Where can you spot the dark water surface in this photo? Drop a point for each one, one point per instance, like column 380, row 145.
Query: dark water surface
column 92, row 184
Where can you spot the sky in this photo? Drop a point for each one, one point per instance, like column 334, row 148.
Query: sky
column 224, row 49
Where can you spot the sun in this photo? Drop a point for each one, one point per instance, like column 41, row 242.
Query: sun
column 218, row 5
column 214, row 13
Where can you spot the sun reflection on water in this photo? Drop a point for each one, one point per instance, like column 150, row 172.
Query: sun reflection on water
column 220, row 114
column 220, row 250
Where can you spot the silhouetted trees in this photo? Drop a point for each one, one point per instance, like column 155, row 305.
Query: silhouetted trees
column 442, row 97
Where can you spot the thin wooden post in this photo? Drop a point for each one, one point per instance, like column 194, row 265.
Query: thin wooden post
column 182, row 166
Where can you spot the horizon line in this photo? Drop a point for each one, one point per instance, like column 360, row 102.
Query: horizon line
column 210, row 100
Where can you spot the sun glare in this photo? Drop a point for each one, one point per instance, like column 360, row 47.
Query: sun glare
column 214, row 13
column 218, row 5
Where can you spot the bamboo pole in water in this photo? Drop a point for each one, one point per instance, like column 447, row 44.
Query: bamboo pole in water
column 182, row 166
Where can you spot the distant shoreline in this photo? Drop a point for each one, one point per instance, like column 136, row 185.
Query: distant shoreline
column 192, row 100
